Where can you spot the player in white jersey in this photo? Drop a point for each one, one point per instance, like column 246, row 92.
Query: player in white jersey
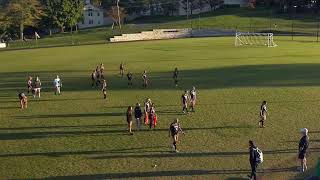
column 29, row 84
column 104, row 89
column 57, row 85
column 263, row 114
column 193, row 97
column 145, row 79
column 184, row 99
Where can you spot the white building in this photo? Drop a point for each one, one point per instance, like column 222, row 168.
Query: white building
column 93, row 17
column 240, row 3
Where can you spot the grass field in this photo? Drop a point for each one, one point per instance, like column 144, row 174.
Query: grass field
column 78, row 135
column 242, row 19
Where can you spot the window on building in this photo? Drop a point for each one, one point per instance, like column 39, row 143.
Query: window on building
column 98, row 14
column 98, row 22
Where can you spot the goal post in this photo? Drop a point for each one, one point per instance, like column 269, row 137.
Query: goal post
column 254, row 39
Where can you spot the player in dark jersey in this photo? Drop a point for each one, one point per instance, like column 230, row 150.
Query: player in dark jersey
column 23, row 100
column 263, row 114
column 138, row 115
column 130, row 77
column 303, row 147
column 121, row 69
column 145, row 79
column 184, row 99
column 98, row 73
column 29, row 84
column 174, row 131
column 175, row 76
column 104, row 89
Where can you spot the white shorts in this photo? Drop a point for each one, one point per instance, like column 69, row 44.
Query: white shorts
column 37, row 89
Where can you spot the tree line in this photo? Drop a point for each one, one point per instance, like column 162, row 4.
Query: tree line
column 16, row 15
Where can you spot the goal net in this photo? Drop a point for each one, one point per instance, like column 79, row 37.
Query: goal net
column 256, row 39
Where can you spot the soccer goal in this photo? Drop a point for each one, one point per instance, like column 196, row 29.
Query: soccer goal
column 256, row 39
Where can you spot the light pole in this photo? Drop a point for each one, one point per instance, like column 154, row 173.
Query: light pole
column 270, row 19
column 293, row 17
column 318, row 28
column 187, row 9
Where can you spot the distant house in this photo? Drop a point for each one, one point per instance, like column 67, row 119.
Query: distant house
column 93, row 16
column 240, row 3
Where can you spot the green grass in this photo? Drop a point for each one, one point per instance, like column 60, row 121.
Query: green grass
column 79, row 135
column 242, row 19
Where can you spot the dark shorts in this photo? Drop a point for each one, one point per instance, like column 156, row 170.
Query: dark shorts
column 302, row 155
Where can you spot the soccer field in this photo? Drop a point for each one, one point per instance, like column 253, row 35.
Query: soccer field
column 79, row 135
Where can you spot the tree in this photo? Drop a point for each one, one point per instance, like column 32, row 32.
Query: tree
column 190, row 5
column 72, row 11
column 169, row 7
column 23, row 13
column 214, row 3
column 4, row 23
column 54, row 17
column 114, row 14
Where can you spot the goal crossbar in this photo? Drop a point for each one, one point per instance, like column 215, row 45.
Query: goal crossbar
column 257, row 39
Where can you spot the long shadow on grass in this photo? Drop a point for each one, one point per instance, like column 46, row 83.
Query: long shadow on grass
column 202, row 154
column 154, row 174
column 86, row 115
column 148, row 154
column 61, row 127
column 268, row 75
column 53, row 134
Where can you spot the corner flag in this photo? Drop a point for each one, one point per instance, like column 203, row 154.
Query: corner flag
column 37, row 35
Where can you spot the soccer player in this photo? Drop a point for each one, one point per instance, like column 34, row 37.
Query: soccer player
column 184, row 98
column 145, row 79
column 174, row 131
column 130, row 77
column 101, row 68
column 121, row 69
column 138, row 115
column 57, row 85
column 263, row 114
column 193, row 97
column 37, row 87
column 94, row 78
column 23, row 100
column 29, row 84
column 152, row 117
column 98, row 76
column 252, row 160
column 303, row 146
column 147, row 108
column 129, row 119
column 104, row 89
column 175, row 76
